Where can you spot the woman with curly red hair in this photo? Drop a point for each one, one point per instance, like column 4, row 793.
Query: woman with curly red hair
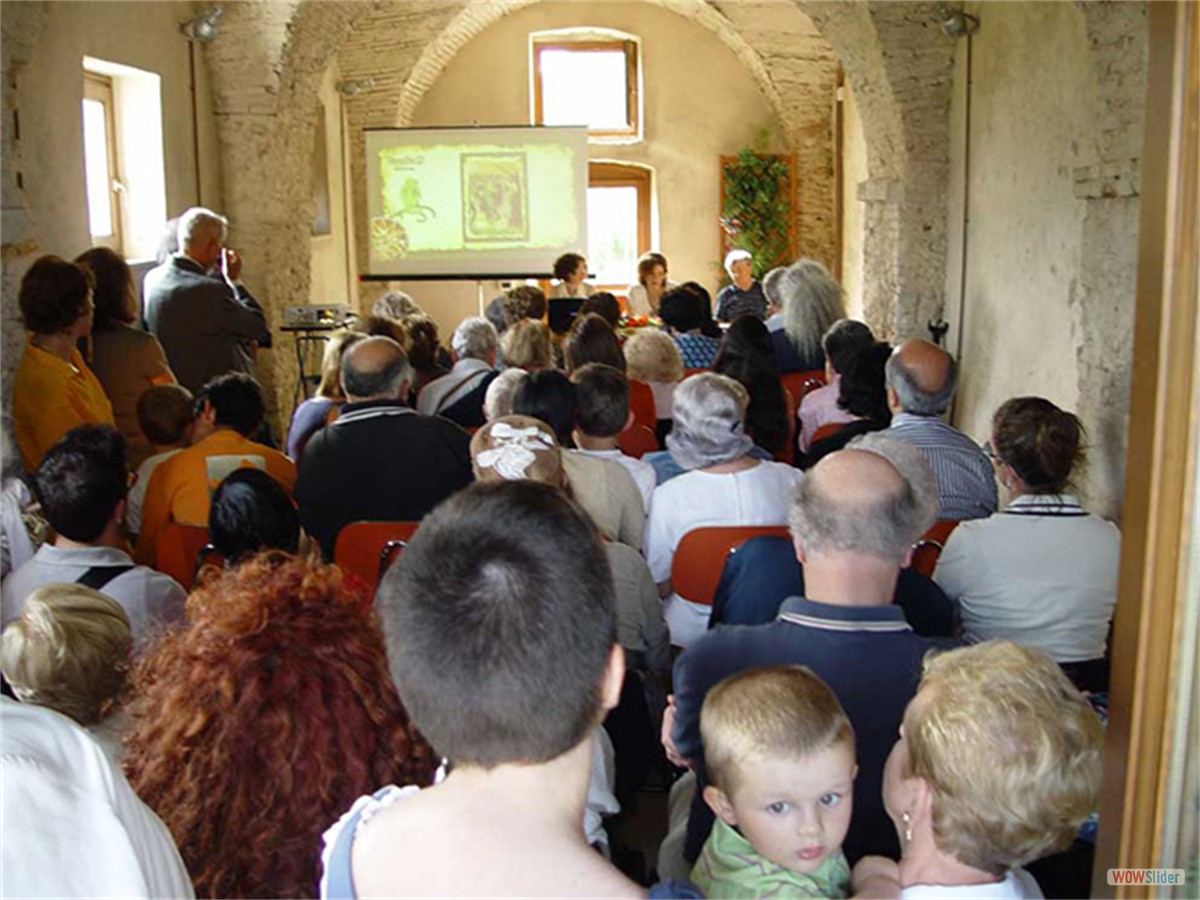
column 262, row 720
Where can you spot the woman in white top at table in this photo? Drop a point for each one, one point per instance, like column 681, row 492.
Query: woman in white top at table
column 571, row 269
column 725, row 487
column 652, row 284
column 1041, row 571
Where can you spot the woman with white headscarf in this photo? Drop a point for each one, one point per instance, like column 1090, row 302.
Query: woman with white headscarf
column 726, row 486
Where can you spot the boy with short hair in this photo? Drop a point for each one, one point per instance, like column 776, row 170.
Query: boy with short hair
column 779, row 751
column 604, row 413
column 166, row 415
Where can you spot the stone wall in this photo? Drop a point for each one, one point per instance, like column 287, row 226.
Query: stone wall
column 1051, row 241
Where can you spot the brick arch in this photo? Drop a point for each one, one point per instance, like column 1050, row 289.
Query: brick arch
column 265, row 85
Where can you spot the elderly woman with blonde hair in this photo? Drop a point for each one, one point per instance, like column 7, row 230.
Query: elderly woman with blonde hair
column 997, row 765
column 725, row 485
column 526, row 345
column 651, row 356
column 70, row 652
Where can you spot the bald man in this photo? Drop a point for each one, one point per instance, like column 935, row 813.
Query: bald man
column 921, row 380
column 380, row 459
column 855, row 517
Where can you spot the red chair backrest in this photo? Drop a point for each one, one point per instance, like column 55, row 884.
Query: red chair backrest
column 178, row 551
column 700, row 557
column 638, row 441
column 797, row 384
column 641, row 401
column 688, row 373
column 365, row 549
column 929, row 548
column 825, row 431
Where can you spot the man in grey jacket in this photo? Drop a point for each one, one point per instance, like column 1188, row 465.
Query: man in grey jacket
column 207, row 323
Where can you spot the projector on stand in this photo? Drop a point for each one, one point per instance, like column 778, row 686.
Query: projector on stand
column 316, row 318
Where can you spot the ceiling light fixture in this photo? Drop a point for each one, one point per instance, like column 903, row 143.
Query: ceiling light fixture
column 203, row 28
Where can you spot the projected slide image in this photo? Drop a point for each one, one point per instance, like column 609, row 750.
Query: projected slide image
column 463, row 201
column 495, row 198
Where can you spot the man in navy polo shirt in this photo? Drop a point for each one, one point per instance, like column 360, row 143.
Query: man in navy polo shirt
column 854, row 520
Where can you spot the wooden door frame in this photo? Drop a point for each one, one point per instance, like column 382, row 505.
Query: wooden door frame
column 1160, row 482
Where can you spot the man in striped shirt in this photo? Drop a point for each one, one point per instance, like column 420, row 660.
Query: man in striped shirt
column 921, row 379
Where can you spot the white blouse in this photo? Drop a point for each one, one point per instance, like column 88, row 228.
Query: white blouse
column 1041, row 572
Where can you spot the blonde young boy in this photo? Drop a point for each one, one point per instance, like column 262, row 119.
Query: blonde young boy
column 781, row 764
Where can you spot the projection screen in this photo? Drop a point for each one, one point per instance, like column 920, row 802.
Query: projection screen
column 453, row 203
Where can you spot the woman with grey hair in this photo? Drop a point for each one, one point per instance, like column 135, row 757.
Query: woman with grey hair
column 726, row 486
column 811, row 300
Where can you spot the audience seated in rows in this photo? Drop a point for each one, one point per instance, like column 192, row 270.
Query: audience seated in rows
column 53, row 389
column 725, row 485
column 652, row 357
column 396, row 305
column 604, row 488
column 262, row 719
column 862, row 394
column 604, row 414
column 458, row 395
column 70, row 652
column 811, row 301
column 592, row 340
column 380, row 459
column 498, row 400
column 745, row 356
column 820, row 406
column 510, row 583
column 921, row 379
column 764, row 571
column 968, row 817
column 72, row 825
column 252, row 513
column 523, row 302
column 313, row 413
column 426, row 355
column 854, row 519
column 1042, row 571
column 515, row 448
column 167, row 417
column 82, row 483
column 526, row 345
column 604, row 305
column 682, row 313
column 21, row 530
column 126, row 359
column 230, row 409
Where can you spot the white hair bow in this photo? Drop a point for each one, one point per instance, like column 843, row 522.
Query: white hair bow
column 515, row 450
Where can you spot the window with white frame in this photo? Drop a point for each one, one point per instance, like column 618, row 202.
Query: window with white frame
column 123, row 157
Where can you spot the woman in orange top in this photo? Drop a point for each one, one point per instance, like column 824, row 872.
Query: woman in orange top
column 54, row 390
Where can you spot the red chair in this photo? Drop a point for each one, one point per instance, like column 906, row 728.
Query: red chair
column 366, row 549
column 688, row 373
column 700, row 557
column 637, row 441
column 929, row 548
column 797, row 384
column 641, row 401
column 787, row 453
column 180, row 550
